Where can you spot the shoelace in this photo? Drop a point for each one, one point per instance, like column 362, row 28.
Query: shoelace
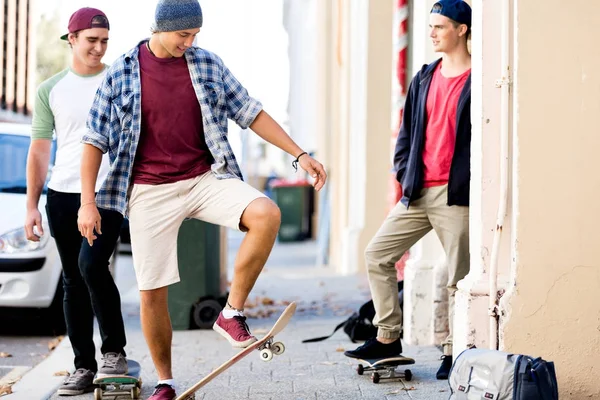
column 75, row 376
column 110, row 359
column 242, row 322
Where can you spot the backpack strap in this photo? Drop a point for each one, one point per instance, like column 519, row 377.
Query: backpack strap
column 545, row 379
column 319, row 339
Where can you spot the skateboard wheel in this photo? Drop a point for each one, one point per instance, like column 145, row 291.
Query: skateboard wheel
column 277, row 348
column 360, row 369
column 135, row 393
column 266, row 355
column 97, row 394
column 375, row 377
column 407, row 375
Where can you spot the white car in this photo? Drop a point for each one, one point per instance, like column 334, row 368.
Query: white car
column 30, row 272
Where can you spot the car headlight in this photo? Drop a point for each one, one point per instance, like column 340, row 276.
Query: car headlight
column 16, row 242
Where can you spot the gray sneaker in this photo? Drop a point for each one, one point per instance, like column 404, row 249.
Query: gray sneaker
column 81, row 381
column 113, row 364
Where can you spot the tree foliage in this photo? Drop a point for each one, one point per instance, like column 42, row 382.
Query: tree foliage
column 52, row 53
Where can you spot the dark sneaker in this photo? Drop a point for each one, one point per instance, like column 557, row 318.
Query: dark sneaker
column 235, row 330
column 375, row 349
column 113, row 364
column 444, row 370
column 80, row 382
column 163, row 392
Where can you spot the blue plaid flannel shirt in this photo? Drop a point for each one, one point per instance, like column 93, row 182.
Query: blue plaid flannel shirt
column 114, row 121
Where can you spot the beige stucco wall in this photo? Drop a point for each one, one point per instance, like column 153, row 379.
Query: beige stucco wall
column 554, row 310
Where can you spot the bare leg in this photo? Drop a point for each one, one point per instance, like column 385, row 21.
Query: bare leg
column 156, row 325
column 262, row 219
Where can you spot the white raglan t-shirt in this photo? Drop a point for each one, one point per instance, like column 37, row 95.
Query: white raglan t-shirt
column 62, row 106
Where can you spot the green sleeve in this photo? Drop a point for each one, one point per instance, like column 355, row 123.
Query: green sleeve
column 42, row 124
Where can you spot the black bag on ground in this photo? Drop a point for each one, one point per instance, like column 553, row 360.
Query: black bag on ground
column 359, row 326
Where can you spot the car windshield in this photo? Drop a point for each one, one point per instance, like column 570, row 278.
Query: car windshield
column 13, row 163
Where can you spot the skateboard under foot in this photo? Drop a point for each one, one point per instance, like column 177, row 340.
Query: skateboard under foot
column 386, row 368
column 114, row 386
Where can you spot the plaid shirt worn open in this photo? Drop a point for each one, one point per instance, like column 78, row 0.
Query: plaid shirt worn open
column 114, row 122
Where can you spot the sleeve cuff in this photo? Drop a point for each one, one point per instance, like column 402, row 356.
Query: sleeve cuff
column 247, row 114
column 95, row 140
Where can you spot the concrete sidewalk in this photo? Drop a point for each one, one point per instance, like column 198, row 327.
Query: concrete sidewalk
column 305, row 371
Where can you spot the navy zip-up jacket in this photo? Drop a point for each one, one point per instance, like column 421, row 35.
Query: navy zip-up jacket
column 408, row 155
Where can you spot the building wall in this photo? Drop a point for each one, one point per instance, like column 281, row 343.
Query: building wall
column 17, row 59
column 548, row 268
column 553, row 309
column 472, row 323
column 360, row 121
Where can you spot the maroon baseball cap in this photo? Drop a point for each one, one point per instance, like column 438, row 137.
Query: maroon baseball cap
column 86, row 18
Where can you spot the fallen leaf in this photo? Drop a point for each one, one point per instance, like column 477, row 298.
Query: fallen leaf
column 4, row 390
column 340, row 349
column 410, row 388
column 267, row 301
column 62, row 373
column 54, row 342
column 5, row 355
column 328, row 363
column 394, row 392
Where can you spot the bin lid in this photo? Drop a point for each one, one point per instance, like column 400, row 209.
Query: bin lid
column 276, row 183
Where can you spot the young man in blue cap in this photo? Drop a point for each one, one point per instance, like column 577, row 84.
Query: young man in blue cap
column 161, row 114
column 432, row 162
column 62, row 106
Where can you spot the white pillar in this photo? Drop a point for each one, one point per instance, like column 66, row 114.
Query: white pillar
column 368, row 125
column 471, row 322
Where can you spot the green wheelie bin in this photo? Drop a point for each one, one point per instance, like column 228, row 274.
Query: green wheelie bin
column 196, row 301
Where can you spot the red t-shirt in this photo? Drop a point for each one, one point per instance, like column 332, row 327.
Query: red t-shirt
column 172, row 146
column 440, row 134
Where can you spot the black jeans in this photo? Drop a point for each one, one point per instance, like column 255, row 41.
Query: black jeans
column 89, row 287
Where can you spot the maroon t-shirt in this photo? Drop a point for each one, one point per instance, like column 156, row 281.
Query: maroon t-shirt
column 172, row 146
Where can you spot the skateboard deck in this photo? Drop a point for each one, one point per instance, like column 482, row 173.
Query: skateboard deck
column 385, row 368
column 265, row 345
column 114, row 386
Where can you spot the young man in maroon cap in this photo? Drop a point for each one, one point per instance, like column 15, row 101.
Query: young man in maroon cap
column 62, row 107
column 432, row 161
column 161, row 114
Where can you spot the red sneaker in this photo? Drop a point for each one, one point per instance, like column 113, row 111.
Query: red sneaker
column 163, row 392
column 235, row 330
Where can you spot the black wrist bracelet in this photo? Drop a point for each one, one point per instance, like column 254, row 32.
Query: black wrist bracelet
column 295, row 162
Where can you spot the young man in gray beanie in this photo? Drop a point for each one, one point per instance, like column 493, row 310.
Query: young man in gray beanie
column 161, row 114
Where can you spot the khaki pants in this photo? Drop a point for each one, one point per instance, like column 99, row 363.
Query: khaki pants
column 400, row 231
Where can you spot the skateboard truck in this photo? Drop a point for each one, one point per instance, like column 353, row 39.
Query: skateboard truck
column 385, row 368
column 387, row 372
column 268, row 349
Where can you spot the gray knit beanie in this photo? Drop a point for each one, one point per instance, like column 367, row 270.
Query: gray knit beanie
column 177, row 15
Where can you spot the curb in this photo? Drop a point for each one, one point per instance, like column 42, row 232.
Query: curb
column 40, row 382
